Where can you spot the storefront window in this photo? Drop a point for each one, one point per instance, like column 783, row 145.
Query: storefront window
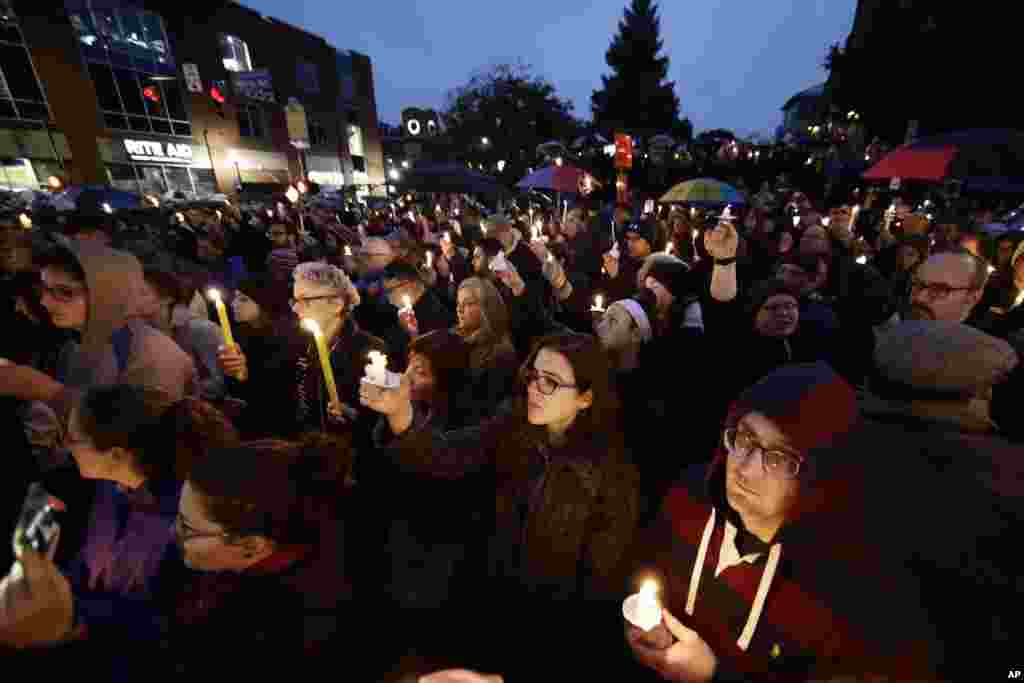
column 116, row 33
column 204, row 180
column 151, row 179
column 122, row 177
column 178, row 179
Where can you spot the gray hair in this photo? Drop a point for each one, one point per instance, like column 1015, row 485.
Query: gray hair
column 330, row 277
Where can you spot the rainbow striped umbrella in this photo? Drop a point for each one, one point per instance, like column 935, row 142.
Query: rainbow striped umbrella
column 705, row 193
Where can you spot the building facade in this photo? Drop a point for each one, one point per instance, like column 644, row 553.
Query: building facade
column 149, row 96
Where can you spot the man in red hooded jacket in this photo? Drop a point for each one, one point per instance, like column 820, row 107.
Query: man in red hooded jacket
column 766, row 566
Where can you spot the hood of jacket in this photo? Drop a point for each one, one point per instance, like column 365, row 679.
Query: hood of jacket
column 114, row 279
column 816, row 409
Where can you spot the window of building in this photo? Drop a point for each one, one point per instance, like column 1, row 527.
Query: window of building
column 250, row 122
column 131, row 100
column 234, row 53
column 21, row 94
column 317, row 132
column 355, row 141
column 125, row 36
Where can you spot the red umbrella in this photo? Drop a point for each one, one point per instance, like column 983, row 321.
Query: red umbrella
column 968, row 153
column 564, row 178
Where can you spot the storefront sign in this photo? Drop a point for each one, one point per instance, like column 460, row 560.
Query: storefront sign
column 254, row 85
column 159, row 152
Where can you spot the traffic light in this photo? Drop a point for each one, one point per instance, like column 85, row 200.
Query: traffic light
column 218, row 101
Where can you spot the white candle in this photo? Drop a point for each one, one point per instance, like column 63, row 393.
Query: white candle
column 825, row 221
column 378, row 367
column 430, row 259
column 25, row 220
column 669, row 247
column 644, row 611
column 862, row 260
column 180, row 216
column 447, row 237
column 598, row 306
column 348, row 250
column 406, row 304
column 796, row 221
column 614, row 253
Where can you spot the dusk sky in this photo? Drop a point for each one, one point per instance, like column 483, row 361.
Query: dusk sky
column 735, row 62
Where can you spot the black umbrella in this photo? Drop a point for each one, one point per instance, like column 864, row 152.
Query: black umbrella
column 452, row 178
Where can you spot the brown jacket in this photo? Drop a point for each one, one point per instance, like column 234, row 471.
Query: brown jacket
column 564, row 517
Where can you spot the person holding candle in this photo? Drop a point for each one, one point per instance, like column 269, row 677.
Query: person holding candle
column 419, row 309
column 566, row 498
column 769, row 567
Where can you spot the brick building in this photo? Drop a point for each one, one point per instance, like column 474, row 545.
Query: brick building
column 126, row 89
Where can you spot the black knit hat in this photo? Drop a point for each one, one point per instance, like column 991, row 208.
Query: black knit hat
column 271, row 295
column 673, row 275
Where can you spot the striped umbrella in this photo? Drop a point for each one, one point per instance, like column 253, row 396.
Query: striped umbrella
column 704, row 192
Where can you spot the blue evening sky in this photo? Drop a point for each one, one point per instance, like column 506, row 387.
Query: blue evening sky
column 735, row 62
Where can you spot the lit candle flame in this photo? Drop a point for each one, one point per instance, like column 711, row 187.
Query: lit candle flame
column 669, row 247
column 25, row 220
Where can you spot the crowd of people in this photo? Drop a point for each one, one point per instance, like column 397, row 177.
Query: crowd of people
column 797, row 418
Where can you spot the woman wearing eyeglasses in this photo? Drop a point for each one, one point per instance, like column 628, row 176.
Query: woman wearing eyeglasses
column 765, row 563
column 566, row 500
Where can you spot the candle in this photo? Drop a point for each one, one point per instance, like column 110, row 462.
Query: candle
column 614, row 253
column 669, row 247
column 825, row 221
column 598, row 306
column 406, row 304
column 25, row 220
column 220, row 216
column 222, row 314
column 853, row 216
column 325, row 359
column 376, row 371
column 693, row 211
column 796, row 221
column 862, row 260
column 551, row 257
column 348, row 250
column 644, row 611
column 180, row 216
column 430, row 259
column 447, row 237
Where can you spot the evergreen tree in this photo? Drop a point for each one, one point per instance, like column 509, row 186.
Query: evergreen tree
column 635, row 97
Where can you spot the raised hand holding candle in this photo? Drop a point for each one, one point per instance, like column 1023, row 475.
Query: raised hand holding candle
column 325, row 359
column 222, row 315
column 377, row 372
column 644, row 611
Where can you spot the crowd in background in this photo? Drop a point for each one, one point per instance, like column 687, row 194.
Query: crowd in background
column 797, row 417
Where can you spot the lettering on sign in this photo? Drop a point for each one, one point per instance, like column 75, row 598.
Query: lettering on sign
column 160, row 152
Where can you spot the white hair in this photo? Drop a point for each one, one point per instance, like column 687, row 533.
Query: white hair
column 331, row 277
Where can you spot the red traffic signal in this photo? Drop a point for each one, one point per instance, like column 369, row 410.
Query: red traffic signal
column 216, row 95
column 151, row 93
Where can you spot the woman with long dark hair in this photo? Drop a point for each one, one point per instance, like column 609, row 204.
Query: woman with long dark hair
column 566, row 500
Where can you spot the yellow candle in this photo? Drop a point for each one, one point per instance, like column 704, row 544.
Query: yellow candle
column 222, row 314
column 325, row 359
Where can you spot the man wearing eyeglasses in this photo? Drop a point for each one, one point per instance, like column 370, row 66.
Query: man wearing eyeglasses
column 947, row 286
column 752, row 553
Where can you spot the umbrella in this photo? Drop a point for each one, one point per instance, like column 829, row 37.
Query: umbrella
column 981, row 152
column 450, row 178
column 93, row 197
column 564, row 178
column 704, row 192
